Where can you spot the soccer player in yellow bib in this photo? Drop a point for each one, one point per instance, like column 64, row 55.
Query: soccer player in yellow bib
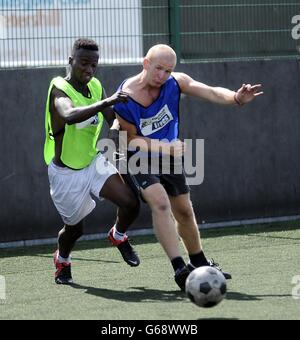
column 75, row 110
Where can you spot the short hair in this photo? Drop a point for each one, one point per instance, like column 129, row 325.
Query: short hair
column 86, row 44
column 161, row 49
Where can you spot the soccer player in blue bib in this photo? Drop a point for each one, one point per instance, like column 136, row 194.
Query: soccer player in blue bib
column 151, row 119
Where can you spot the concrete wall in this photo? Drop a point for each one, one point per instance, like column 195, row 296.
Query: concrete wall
column 252, row 163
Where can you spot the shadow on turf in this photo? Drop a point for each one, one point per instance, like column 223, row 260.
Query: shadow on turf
column 275, row 237
column 48, row 250
column 138, row 294
column 81, row 259
column 219, row 319
column 249, row 230
column 236, row 296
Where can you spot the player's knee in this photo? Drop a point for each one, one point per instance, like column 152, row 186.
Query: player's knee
column 185, row 215
column 161, row 205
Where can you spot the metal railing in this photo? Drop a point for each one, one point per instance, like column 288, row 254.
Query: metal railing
column 42, row 32
column 237, row 29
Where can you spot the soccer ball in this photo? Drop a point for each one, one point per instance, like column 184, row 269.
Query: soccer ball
column 206, row 287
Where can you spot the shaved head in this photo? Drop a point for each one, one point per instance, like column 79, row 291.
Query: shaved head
column 164, row 52
column 158, row 65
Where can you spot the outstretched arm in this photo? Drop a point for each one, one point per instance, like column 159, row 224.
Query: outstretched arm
column 72, row 115
column 218, row 95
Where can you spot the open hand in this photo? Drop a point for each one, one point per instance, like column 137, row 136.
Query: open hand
column 247, row 93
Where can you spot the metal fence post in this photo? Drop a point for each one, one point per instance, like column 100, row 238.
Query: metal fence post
column 174, row 19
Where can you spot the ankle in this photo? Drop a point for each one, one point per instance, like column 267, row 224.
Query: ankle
column 198, row 260
column 117, row 235
column 178, row 263
column 64, row 259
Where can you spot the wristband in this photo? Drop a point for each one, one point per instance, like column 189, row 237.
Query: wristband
column 237, row 100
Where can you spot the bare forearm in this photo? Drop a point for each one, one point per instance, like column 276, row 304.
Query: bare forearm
column 80, row 114
column 73, row 115
column 220, row 95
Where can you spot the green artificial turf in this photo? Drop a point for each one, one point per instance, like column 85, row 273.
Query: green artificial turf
column 262, row 259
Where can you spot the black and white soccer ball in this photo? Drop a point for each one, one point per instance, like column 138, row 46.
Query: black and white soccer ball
column 206, row 287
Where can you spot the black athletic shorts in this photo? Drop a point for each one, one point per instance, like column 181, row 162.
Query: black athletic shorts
column 174, row 184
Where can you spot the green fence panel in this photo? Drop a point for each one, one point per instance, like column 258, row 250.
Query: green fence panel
column 217, row 29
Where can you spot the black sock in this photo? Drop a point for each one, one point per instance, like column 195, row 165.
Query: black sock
column 178, row 263
column 198, row 260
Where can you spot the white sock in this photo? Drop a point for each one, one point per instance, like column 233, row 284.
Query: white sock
column 63, row 260
column 117, row 235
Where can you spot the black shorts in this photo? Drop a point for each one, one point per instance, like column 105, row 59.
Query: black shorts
column 175, row 184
